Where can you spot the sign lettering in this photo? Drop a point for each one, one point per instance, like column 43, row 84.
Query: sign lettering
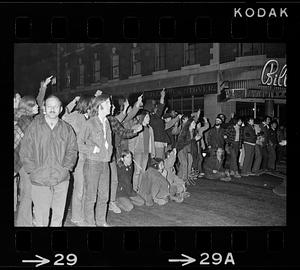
column 272, row 75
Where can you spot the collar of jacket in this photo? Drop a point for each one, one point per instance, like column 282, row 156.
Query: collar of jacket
column 42, row 120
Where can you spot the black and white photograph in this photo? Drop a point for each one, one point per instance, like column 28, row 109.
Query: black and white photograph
column 150, row 134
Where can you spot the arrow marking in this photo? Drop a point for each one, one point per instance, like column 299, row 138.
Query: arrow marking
column 41, row 261
column 186, row 261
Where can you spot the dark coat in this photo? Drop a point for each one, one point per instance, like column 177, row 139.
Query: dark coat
column 48, row 155
column 212, row 163
column 249, row 134
column 215, row 137
column 158, row 125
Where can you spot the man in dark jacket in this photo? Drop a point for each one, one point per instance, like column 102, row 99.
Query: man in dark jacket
column 48, row 153
column 273, row 142
column 161, row 139
column 215, row 138
column 265, row 126
column 233, row 139
column 249, row 137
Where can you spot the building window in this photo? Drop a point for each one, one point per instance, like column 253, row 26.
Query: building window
column 190, row 53
column 248, row 49
column 160, row 56
column 115, row 64
column 135, row 60
column 81, row 72
column 96, row 67
column 67, row 77
column 187, row 105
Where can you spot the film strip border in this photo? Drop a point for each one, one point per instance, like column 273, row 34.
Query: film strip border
column 147, row 246
column 147, row 22
column 155, row 246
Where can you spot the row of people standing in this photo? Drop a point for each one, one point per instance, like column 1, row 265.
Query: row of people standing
column 250, row 146
column 48, row 153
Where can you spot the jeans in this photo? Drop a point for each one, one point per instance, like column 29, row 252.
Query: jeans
column 234, row 153
column 141, row 159
column 97, row 185
column 44, row 198
column 257, row 158
column 272, row 157
column 265, row 157
column 197, row 159
column 114, row 180
column 249, row 156
column 78, row 193
column 185, row 164
column 24, row 216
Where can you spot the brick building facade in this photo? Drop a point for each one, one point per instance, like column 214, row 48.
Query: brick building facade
column 195, row 75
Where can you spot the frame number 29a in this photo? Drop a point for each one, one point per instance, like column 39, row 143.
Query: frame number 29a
column 216, row 259
column 71, row 259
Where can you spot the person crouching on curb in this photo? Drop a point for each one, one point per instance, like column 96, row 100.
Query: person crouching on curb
column 177, row 186
column 126, row 196
column 154, row 185
column 213, row 166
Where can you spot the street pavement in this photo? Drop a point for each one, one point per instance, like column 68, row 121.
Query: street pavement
column 247, row 201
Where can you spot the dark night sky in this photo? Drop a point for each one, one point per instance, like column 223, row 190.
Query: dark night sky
column 32, row 63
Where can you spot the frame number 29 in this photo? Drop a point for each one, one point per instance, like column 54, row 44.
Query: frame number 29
column 71, row 259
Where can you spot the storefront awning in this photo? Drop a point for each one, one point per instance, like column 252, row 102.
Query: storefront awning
column 185, row 91
column 243, row 89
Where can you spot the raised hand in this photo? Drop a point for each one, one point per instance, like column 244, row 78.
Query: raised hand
column 76, row 99
column 98, row 93
column 17, row 99
column 46, row 82
column 126, row 104
column 138, row 128
column 139, row 101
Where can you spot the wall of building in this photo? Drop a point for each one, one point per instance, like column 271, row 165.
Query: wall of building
column 211, row 107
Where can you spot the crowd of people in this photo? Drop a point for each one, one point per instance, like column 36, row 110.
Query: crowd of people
column 142, row 154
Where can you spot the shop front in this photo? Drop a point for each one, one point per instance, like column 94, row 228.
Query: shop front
column 261, row 96
column 251, row 98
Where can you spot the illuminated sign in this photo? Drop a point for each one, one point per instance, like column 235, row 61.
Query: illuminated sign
column 273, row 75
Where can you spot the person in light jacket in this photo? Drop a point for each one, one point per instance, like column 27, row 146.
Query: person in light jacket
column 95, row 141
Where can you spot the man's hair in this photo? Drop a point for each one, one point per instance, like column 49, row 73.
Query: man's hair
column 26, row 104
column 141, row 116
column 84, row 104
column 274, row 122
column 96, row 102
column 220, row 116
column 123, row 154
column 248, row 118
column 236, row 119
column 53, row 97
column 267, row 116
column 155, row 162
column 168, row 153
